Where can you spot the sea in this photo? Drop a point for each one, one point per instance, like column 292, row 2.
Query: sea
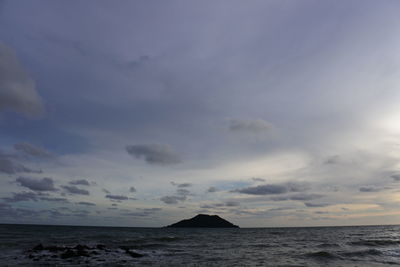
column 40, row 245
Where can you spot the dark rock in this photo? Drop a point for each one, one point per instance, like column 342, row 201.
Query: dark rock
column 68, row 254
column 82, row 253
column 101, row 246
column 204, row 221
column 38, row 247
column 81, row 247
column 54, row 248
column 134, row 254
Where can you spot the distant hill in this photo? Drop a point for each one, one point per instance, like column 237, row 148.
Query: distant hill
column 204, row 221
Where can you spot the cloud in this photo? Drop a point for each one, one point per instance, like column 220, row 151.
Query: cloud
column 396, row 177
column 86, row 203
column 221, row 205
column 212, row 189
column 298, row 197
column 32, row 150
column 9, row 166
column 173, row 199
column 75, row 190
column 132, row 189
column 80, row 182
column 117, row 197
column 156, row 154
column 183, row 192
column 142, row 212
column 271, row 189
column 316, row 205
column 255, row 179
column 183, row 185
column 17, row 89
column 105, row 191
column 249, row 125
column 366, row 189
column 23, row 196
column 55, row 199
column 44, row 184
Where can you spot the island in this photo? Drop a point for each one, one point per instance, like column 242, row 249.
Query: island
column 204, row 221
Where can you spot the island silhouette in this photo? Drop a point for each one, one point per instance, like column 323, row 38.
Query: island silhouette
column 204, row 221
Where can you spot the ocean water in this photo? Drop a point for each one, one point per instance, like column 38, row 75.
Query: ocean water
column 108, row 246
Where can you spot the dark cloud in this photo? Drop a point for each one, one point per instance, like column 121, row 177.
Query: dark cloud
column 9, row 166
column 86, row 203
column 395, row 177
column 367, row 189
column 132, row 189
column 55, row 199
column 17, row 89
column 105, row 191
column 33, row 151
column 249, row 125
column 316, row 205
column 173, row 199
column 80, row 182
column 44, row 184
column 157, row 154
column 221, row 205
column 271, row 189
column 117, row 197
column 212, row 189
column 75, row 190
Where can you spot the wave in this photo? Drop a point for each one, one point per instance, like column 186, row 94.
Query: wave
column 363, row 253
column 375, row 242
column 322, row 255
column 328, row 245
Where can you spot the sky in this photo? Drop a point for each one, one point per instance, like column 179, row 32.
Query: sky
column 142, row 113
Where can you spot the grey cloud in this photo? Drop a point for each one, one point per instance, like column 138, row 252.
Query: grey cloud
column 212, row 189
column 271, row 189
column 183, row 192
column 157, row 154
column 117, row 197
column 32, row 150
column 55, row 199
column 249, row 125
column 172, row 199
column 258, row 179
column 17, row 89
column 44, row 184
column 142, row 212
column 105, row 191
column 221, row 205
column 80, row 182
column 396, row 177
column 75, row 190
column 316, row 205
column 22, row 196
column 132, row 189
column 298, row 197
column 86, row 203
column 183, row 185
column 367, row 189
column 9, row 166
